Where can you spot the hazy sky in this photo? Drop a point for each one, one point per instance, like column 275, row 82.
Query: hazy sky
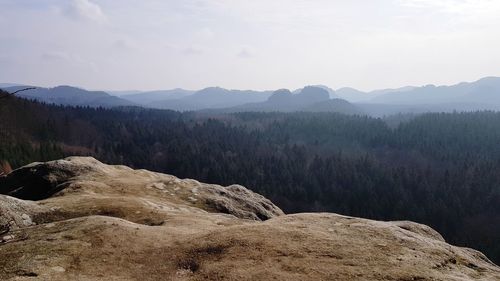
column 258, row 44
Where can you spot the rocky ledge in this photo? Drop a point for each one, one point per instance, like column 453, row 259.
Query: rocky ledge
column 79, row 219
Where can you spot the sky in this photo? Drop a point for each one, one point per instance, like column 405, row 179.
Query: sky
column 252, row 44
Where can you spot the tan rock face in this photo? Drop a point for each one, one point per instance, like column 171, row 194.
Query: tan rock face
column 101, row 222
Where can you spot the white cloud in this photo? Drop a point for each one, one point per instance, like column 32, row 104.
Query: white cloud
column 245, row 54
column 69, row 59
column 56, row 56
column 470, row 11
column 124, row 44
column 191, row 51
column 4, row 61
column 205, row 33
column 290, row 42
column 85, row 9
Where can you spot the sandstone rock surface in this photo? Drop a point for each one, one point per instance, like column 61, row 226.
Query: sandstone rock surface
column 93, row 221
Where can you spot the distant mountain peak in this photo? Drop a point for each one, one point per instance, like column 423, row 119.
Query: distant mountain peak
column 314, row 90
column 491, row 80
column 312, row 94
column 348, row 89
column 281, row 95
column 330, row 91
column 215, row 88
column 282, row 91
column 481, row 94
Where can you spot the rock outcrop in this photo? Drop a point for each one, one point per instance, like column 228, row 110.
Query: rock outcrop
column 93, row 221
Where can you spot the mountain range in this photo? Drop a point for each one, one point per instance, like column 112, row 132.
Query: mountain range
column 309, row 98
column 483, row 94
column 67, row 95
column 483, row 91
column 210, row 98
column 150, row 98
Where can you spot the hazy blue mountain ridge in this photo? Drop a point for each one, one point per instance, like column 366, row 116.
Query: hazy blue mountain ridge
column 310, row 98
column 67, row 95
column 212, row 98
column 483, row 94
column 483, row 91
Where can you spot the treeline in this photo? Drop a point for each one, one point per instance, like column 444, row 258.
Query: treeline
column 439, row 169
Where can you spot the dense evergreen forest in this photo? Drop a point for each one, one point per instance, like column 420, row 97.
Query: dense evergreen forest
column 441, row 169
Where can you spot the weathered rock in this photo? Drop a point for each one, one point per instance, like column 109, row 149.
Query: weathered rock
column 41, row 180
column 241, row 202
column 16, row 213
column 87, row 175
column 114, row 223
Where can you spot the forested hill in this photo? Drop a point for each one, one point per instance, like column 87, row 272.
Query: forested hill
column 67, row 95
column 439, row 169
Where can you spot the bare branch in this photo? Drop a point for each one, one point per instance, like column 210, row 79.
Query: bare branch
column 25, row 89
column 21, row 90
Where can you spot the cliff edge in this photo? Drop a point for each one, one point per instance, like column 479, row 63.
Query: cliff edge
column 79, row 219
